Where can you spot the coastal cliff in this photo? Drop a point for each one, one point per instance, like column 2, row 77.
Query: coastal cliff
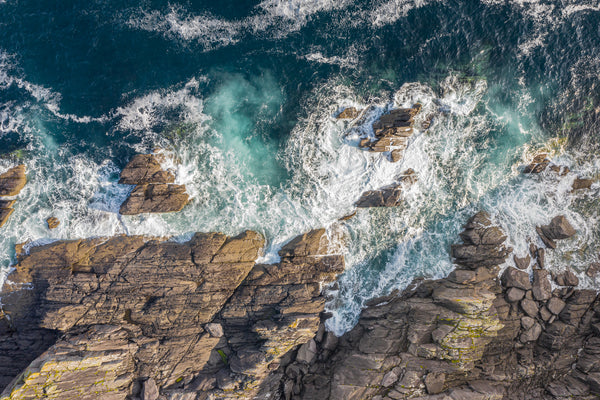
column 138, row 318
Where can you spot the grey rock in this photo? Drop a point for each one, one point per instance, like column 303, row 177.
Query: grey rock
column 434, row 382
column 532, row 334
column 149, row 390
column 512, row 277
column 307, row 352
column 527, row 322
column 530, row 307
column 567, row 278
column 214, row 329
column 555, row 305
column 559, row 228
column 541, row 288
column 514, row 294
column 522, row 262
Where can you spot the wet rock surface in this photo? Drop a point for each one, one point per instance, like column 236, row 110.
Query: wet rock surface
column 388, row 196
column 11, row 184
column 154, row 191
column 392, row 131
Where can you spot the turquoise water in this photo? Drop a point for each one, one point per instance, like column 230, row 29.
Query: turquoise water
column 241, row 96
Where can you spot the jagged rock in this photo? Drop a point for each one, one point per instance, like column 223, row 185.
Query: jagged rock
column 541, row 258
column 155, row 198
column 348, row 113
column 387, row 196
column 522, row 262
column 559, row 228
column 527, row 322
column 395, row 155
column 512, row 277
column 13, row 181
column 541, row 288
column 144, row 169
column 567, row 278
column 539, row 164
column 547, row 241
column 307, row 352
column 580, row 183
column 392, row 132
column 53, row 222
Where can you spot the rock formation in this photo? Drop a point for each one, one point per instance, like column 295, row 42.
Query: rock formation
column 349, row 113
column 53, row 222
column 155, row 191
column 11, row 184
column 128, row 316
column 468, row 336
column 387, row 196
column 392, row 132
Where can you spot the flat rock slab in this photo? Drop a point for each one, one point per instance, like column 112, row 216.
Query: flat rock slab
column 4, row 214
column 13, row 181
column 155, row 198
column 144, row 169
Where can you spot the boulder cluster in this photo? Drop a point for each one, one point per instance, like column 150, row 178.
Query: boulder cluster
column 541, row 163
column 11, row 184
column 391, row 132
column 155, row 191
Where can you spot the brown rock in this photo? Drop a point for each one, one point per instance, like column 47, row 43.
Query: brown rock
column 514, row 294
column 541, row 288
column 348, row 113
column 52, row 222
column 532, row 334
column 395, row 155
column 434, row 382
column 555, row 305
column 387, row 196
column 547, row 241
column 522, row 262
column 530, row 307
column 559, row 228
column 155, row 198
column 580, row 183
column 567, row 278
column 541, row 258
column 13, row 181
column 144, row 169
column 592, row 271
column 512, row 277
column 4, row 215
column 539, row 164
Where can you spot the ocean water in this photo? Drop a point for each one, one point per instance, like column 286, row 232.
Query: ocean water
column 241, row 97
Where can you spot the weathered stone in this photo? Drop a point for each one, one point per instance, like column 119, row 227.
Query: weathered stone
column 150, row 390
column 547, row 241
column 155, row 198
column 522, row 262
column 541, row 258
column 592, row 271
column 532, row 334
column 214, row 330
column 559, row 228
column 555, row 305
column 512, row 277
column 530, row 307
column 5, row 213
column 13, row 181
column 539, row 164
column 567, row 278
column 514, row 294
column 307, row 352
column 541, row 288
column 434, row 382
column 387, row 196
column 53, row 222
column 527, row 322
column 395, row 155
column 144, row 169
column 348, row 113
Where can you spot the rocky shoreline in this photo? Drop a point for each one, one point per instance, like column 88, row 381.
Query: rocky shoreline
column 130, row 317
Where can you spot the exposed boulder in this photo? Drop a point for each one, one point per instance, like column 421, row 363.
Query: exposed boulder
column 567, row 278
column 593, row 270
column 53, row 222
column 539, row 163
column 13, row 181
column 559, row 228
column 541, row 288
column 348, row 113
column 581, row 183
column 144, row 169
column 155, row 198
column 522, row 262
column 5, row 213
column 514, row 278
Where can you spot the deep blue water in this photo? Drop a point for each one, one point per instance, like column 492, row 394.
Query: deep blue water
column 241, row 95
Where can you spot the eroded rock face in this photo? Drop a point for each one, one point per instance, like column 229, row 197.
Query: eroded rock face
column 155, row 191
column 462, row 337
column 103, row 317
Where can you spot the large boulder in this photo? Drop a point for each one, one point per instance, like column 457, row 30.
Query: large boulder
column 387, row 196
column 558, row 228
column 155, row 198
column 144, row 169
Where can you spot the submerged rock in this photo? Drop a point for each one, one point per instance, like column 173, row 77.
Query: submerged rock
column 581, row 183
column 53, row 222
column 349, row 113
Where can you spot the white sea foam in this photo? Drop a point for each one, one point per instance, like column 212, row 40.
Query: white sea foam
column 389, row 11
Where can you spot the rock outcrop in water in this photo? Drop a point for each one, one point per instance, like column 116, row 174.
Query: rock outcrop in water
column 128, row 317
column 392, row 132
column 388, row 196
column 154, row 191
column 11, row 184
